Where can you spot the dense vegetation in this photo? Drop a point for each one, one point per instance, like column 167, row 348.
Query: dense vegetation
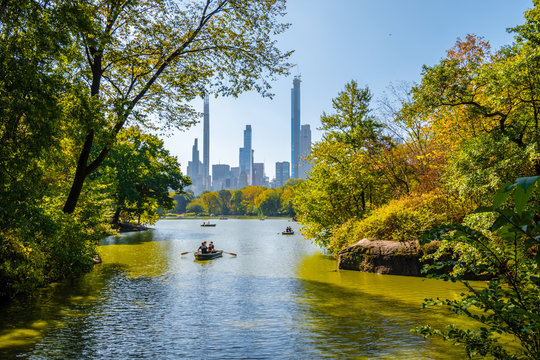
column 84, row 85
column 435, row 156
column 250, row 200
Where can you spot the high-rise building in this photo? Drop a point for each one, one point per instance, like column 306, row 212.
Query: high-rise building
column 282, row 173
column 246, row 157
column 295, row 126
column 206, row 144
column 194, row 169
column 258, row 174
column 305, row 149
column 235, row 175
column 220, row 174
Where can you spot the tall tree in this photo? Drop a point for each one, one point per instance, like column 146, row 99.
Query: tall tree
column 140, row 57
column 145, row 174
column 344, row 181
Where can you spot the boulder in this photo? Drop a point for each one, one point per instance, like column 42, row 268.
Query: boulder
column 382, row 257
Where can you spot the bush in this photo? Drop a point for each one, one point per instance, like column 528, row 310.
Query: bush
column 406, row 219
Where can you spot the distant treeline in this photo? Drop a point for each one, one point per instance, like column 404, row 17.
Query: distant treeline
column 250, row 200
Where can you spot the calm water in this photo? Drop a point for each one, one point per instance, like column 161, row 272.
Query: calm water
column 279, row 298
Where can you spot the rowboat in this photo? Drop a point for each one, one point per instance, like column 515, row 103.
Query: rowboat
column 203, row 224
column 287, row 233
column 209, row 256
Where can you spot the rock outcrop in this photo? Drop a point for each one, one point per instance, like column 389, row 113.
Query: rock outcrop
column 382, row 257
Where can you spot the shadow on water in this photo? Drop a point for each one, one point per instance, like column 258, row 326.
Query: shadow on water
column 52, row 309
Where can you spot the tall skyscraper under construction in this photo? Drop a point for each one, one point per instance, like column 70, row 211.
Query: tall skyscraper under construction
column 295, row 127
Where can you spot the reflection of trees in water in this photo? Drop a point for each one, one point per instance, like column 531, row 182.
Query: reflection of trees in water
column 341, row 322
column 58, row 308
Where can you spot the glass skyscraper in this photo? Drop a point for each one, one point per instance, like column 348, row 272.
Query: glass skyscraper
column 295, row 127
column 206, row 144
column 246, row 157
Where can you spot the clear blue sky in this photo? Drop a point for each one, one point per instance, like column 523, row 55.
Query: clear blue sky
column 375, row 42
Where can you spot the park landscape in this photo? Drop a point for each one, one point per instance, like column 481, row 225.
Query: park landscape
column 449, row 164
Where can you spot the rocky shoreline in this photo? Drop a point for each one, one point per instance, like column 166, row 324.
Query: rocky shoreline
column 384, row 257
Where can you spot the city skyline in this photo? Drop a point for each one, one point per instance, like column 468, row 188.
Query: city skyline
column 349, row 44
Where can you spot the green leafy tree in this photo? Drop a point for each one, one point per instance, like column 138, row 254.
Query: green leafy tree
column 344, row 180
column 268, row 202
column 195, row 207
column 145, row 173
column 182, row 200
column 211, row 202
column 134, row 58
column 224, row 198
column 507, row 253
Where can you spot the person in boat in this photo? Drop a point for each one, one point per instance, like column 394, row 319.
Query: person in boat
column 211, row 247
column 203, row 249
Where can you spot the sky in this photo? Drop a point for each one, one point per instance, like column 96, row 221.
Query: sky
column 375, row 42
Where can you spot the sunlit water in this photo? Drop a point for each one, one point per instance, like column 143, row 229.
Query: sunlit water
column 279, row 298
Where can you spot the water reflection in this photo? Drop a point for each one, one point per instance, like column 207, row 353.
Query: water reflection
column 280, row 298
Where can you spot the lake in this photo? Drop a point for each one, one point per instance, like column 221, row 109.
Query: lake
column 279, row 298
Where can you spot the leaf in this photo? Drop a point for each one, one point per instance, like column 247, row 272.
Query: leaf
column 523, row 191
column 501, row 195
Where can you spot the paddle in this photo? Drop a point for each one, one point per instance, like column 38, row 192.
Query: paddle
column 233, row 254
column 187, row 252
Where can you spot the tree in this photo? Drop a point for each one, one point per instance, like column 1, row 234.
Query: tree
column 344, row 180
column 182, row 200
column 210, row 202
column 224, row 198
column 134, row 58
column 145, row 173
column 268, row 202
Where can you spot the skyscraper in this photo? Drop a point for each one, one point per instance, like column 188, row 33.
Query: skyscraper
column 194, row 169
column 220, row 174
column 282, row 173
column 258, row 174
column 246, row 157
column 295, row 126
column 305, row 149
column 206, row 144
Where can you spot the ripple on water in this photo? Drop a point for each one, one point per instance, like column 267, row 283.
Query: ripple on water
column 280, row 298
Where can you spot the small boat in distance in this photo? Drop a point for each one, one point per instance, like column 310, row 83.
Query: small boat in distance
column 288, row 231
column 207, row 224
column 209, row 256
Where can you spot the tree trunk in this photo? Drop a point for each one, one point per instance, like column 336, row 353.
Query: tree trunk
column 116, row 217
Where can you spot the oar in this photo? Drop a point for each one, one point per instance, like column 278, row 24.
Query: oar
column 186, row 252
column 233, row 254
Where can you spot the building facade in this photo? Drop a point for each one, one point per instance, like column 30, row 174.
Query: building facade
column 246, row 158
column 258, row 174
column 282, row 173
column 305, row 149
column 221, row 176
column 295, row 126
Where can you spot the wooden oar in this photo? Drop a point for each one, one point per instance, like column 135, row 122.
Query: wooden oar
column 233, row 254
column 187, row 252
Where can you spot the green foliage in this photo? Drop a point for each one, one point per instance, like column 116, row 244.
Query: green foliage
column 268, row 202
column 507, row 252
column 344, row 182
column 406, row 219
column 196, row 207
column 181, row 201
column 144, row 174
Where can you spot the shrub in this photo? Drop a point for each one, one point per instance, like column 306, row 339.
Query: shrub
column 406, row 219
